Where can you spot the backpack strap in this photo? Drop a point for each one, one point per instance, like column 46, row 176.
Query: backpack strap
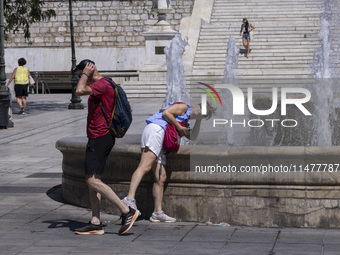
column 114, row 106
column 104, row 113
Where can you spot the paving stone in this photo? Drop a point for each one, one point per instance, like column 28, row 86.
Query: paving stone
column 198, row 248
column 297, row 249
column 256, row 248
column 209, row 234
column 171, row 233
column 332, row 236
column 47, row 250
column 250, row 235
column 307, row 236
column 152, row 247
column 331, row 249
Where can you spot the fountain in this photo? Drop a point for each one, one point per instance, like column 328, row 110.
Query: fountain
column 231, row 61
column 226, row 136
column 177, row 90
column 264, row 175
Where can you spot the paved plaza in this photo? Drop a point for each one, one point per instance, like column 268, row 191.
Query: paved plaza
column 34, row 218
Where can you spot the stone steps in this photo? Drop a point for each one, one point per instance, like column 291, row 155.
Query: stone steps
column 260, row 64
column 151, row 89
column 270, row 37
column 286, row 37
column 259, row 32
column 236, row 27
column 256, row 48
column 258, row 71
column 266, row 15
column 268, row 56
column 283, row 39
column 263, row 51
column 267, row 9
column 266, row 3
column 254, row 19
column 256, row 45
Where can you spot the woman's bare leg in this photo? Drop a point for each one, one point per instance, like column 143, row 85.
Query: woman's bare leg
column 244, row 43
column 158, row 186
column 19, row 101
column 146, row 162
column 24, row 102
column 248, row 46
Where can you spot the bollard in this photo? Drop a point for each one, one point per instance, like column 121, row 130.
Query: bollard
column 4, row 106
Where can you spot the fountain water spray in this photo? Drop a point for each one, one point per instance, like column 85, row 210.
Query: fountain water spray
column 325, row 71
column 227, row 136
column 177, row 90
column 232, row 60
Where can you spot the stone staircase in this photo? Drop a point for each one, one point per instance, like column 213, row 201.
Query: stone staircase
column 145, row 89
column 286, row 37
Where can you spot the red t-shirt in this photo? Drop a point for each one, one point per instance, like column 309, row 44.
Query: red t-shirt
column 96, row 123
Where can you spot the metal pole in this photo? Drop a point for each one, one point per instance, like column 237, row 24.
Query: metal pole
column 75, row 101
column 4, row 95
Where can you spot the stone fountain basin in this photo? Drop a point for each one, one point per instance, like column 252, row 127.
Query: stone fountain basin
column 295, row 199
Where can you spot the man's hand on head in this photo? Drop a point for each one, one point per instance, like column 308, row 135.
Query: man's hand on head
column 82, row 88
column 89, row 68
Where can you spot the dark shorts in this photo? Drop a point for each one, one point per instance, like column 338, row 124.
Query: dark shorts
column 246, row 36
column 97, row 151
column 21, row 90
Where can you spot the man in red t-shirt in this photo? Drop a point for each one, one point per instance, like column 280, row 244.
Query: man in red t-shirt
column 100, row 143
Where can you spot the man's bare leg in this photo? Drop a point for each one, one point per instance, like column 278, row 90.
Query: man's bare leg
column 95, row 183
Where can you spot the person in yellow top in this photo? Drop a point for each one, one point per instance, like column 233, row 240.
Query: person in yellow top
column 21, row 81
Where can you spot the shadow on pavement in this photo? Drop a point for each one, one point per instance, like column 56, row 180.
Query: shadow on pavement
column 55, row 193
column 65, row 223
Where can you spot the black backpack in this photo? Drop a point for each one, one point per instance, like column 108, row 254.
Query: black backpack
column 121, row 117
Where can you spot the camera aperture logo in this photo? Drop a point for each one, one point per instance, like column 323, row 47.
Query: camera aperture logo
column 204, row 101
column 239, row 103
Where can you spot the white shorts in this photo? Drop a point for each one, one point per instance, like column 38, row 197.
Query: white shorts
column 152, row 137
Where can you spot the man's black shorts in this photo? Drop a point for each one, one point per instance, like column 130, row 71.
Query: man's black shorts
column 97, row 151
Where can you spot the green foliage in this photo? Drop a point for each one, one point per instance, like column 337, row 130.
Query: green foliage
column 20, row 14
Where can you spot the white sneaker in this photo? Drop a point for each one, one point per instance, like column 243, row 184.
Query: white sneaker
column 162, row 218
column 132, row 203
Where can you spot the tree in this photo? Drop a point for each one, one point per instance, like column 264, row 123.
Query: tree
column 20, row 14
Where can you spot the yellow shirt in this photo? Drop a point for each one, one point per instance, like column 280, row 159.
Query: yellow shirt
column 21, row 76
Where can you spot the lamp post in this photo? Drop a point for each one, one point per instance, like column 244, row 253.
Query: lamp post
column 75, row 101
column 4, row 95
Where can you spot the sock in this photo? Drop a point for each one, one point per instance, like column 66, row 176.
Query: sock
column 158, row 213
column 130, row 199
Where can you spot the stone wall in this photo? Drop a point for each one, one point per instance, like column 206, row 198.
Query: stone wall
column 115, row 23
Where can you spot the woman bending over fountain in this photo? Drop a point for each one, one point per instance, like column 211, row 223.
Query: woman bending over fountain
column 154, row 156
column 246, row 28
